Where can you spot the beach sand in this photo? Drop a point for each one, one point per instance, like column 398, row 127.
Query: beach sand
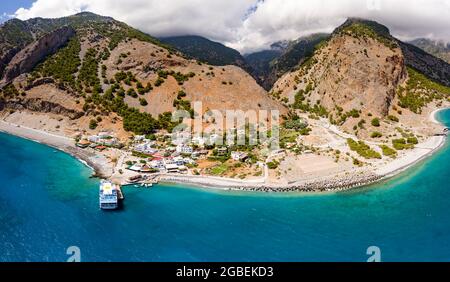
column 98, row 162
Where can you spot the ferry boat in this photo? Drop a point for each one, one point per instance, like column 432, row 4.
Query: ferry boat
column 109, row 196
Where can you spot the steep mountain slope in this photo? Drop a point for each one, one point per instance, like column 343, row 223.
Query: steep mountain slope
column 205, row 50
column 438, row 49
column 427, row 64
column 260, row 62
column 101, row 74
column 269, row 65
column 363, row 72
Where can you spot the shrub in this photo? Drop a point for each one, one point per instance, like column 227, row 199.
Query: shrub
column 376, row 122
column 388, row 151
column 393, row 118
column 363, row 149
column 93, row 124
column 273, row 165
column 412, row 140
column 402, row 144
column 143, row 102
column 159, row 82
column 376, row 134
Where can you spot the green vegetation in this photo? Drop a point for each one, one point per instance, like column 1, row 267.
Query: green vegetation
column 159, row 82
column 363, row 149
column 344, row 116
column 404, row 144
column 375, row 122
column 93, row 124
column 9, row 91
column 292, row 127
column 393, row 118
column 296, row 123
column 376, row 134
column 131, row 92
column 302, row 104
column 143, row 102
column 219, row 169
column 181, row 104
column 143, row 90
column 388, row 151
column 420, row 91
column 370, row 30
column 62, row 66
column 273, row 164
column 123, row 32
column 88, row 74
column 179, row 77
column 205, row 50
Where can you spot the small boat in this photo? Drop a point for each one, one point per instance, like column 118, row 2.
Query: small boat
column 135, row 179
column 108, row 196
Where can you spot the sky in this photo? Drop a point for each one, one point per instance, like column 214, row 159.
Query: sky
column 250, row 25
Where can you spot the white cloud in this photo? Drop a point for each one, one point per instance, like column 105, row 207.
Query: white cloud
column 249, row 25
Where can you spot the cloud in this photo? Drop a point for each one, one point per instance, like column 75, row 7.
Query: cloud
column 250, row 25
column 215, row 19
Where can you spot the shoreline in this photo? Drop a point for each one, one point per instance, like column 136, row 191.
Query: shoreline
column 332, row 183
column 327, row 184
column 57, row 142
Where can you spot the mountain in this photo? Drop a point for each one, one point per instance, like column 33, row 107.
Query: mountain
column 88, row 73
column 15, row 34
column 260, row 62
column 205, row 50
column 436, row 48
column 269, row 65
column 362, row 71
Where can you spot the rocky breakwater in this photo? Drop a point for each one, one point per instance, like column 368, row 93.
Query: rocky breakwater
column 32, row 54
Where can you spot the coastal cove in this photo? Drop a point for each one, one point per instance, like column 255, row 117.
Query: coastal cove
column 48, row 203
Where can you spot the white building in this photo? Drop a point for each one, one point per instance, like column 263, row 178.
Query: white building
column 109, row 142
column 184, row 149
column 145, row 148
column 157, row 164
column 93, row 139
column 179, row 161
column 199, row 141
column 172, row 168
column 139, row 138
column 136, row 167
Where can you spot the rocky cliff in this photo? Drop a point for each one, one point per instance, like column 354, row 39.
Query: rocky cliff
column 25, row 60
column 358, row 69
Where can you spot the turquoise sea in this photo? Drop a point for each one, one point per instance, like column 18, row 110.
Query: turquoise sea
column 48, row 203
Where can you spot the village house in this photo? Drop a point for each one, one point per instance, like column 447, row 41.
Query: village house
column 239, row 156
column 184, row 149
column 139, row 138
column 104, row 139
column 172, row 168
column 179, row 161
column 222, row 151
column 145, row 148
column 157, row 164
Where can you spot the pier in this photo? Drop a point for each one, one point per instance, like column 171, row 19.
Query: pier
column 120, row 195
